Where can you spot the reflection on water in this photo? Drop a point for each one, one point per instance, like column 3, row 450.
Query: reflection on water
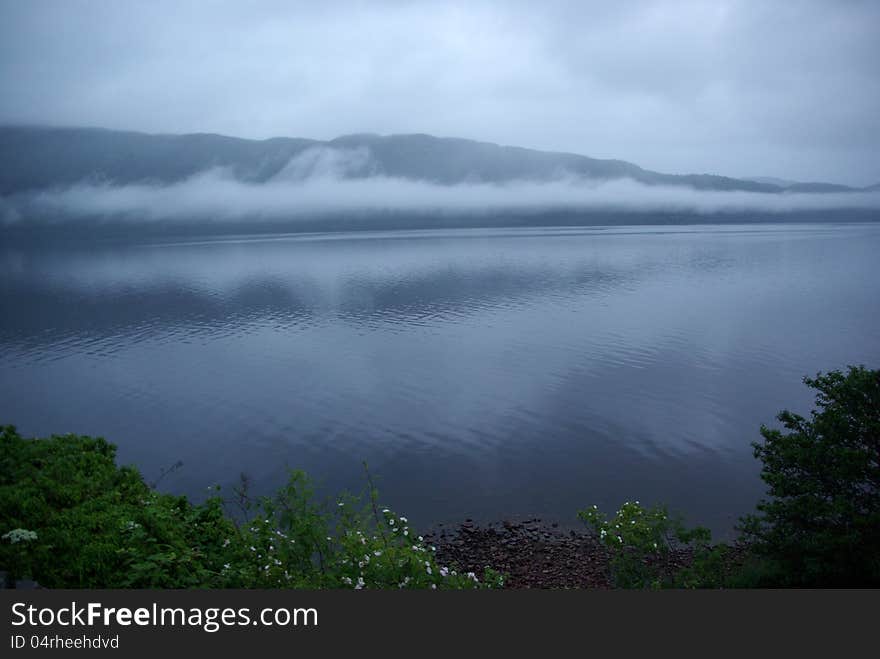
column 481, row 373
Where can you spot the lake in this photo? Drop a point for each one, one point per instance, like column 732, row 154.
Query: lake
column 482, row 374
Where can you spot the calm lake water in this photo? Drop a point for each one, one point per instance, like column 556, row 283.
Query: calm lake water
column 481, row 373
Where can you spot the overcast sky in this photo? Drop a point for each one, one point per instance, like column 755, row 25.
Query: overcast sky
column 788, row 88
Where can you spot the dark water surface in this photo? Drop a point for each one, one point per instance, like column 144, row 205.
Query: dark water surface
column 482, row 373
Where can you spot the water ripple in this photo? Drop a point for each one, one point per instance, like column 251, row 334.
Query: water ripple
column 478, row 372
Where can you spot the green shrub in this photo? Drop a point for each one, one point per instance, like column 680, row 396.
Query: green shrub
column 643, row 544
column 821, row 523
column 69, row 517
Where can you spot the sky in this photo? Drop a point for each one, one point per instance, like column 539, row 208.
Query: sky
column 788, row 89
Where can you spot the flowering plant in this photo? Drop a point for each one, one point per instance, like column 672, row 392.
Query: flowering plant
column 73, row 518
column 295, row 541
column 643, row 543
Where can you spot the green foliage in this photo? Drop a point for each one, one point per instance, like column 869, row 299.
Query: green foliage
column 71, row 518
column 821, row 524
column 643, row 543
column 98, row 525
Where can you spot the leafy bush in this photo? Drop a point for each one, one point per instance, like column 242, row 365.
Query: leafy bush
column 643, row 544
column 71, row 518
column 821, row 524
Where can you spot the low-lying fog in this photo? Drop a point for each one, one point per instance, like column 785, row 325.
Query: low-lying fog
column 333, row 181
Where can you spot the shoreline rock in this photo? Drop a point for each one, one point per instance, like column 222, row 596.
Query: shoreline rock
column 531, row 553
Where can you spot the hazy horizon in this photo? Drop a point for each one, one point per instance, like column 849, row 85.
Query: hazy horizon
column 736, row 88
column 745, row 177
column 324, row 180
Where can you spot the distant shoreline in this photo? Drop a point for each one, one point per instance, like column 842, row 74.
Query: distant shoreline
column 126, row 229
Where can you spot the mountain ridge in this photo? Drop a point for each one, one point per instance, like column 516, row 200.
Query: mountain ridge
column 35, row 157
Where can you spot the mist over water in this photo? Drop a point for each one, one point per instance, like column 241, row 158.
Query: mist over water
column 333, row 181
column 482, row 373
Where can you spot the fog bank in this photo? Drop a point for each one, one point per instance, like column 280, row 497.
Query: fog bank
column 322, row 182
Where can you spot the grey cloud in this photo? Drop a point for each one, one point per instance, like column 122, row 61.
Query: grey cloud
column 734, row 87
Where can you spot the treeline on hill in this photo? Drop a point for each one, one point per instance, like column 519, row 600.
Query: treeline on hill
column 71, row 518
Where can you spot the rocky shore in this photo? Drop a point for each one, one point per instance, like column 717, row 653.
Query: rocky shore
column 536, row 554
column 532, row 553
